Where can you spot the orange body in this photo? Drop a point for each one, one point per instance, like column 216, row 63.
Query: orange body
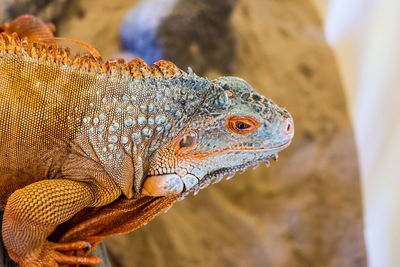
column 49, row 183
column 92, row 149
column 37, row 119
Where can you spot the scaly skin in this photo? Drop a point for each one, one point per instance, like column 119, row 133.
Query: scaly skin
column 91, row 149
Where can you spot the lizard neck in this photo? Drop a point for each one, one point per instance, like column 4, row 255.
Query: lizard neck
column 125, row 121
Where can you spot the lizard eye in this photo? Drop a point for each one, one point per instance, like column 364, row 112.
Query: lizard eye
column 187, row 141
column 242, row 125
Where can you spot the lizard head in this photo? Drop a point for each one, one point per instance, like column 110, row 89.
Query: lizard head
column 233, row 128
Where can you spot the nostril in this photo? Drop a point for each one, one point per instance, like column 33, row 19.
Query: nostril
column 288, row 127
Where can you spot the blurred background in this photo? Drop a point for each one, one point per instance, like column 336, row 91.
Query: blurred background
column 331, row 63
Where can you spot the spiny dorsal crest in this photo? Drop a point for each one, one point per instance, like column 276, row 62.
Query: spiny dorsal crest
column 135, row 69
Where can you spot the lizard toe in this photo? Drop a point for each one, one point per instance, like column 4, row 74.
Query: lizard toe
column 71, row 246
column 63, row 259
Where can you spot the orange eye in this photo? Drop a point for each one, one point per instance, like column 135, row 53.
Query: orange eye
column 242, row 125
column 187, row 141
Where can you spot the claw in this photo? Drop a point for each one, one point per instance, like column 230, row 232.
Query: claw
column 275, row 156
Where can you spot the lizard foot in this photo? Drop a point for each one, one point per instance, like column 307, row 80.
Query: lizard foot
column 63, row 259
column 56, row 254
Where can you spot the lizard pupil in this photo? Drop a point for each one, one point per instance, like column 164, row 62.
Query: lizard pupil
column 241, row 125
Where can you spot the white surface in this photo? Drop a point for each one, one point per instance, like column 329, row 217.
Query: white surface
column 365, row 35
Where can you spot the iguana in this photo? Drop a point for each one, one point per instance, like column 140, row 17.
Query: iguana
column 91, row 148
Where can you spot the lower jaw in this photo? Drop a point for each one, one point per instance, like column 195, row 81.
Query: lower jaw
column 213, row 177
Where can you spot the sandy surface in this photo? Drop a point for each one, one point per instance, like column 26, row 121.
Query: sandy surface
column 305, row 210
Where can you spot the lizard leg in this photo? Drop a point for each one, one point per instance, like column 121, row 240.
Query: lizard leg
column 33, row 212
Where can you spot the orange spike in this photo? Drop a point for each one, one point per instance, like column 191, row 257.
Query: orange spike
column 15, row 43
column 35, row 50
column 115, row 65
column 168, row 68
column 25, row 45
column 7, row 41
column 93, row 51
column 142, row 66
column 156, row 72
column 134, row 69
column 121, row 62
column 3, row 44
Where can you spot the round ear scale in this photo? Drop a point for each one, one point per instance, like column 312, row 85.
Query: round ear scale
column 187, row 141
column 163, row 185
column 242, row 125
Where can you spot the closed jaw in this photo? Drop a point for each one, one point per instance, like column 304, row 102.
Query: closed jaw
column 168, row 184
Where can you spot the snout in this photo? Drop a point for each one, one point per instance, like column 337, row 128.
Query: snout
column 288, row 128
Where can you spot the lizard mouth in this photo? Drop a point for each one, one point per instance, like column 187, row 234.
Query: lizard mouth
column 280, row 147
column 173, row 184
column 270, row 150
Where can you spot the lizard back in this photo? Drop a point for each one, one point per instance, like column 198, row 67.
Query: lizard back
column 37, row 117
column 47, row 98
